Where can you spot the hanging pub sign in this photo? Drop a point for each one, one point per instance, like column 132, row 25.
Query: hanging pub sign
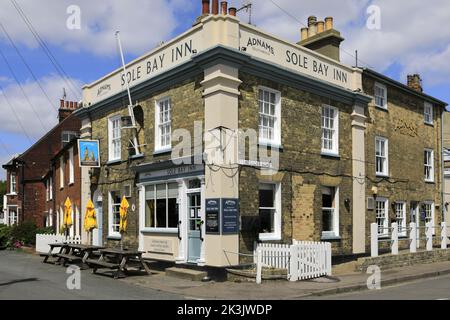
column 212, row 210
column 89, row 153
column 230, row 216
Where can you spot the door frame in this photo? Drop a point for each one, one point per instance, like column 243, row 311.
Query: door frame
column 189, row 193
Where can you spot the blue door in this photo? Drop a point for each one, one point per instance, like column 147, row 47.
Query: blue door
column 195, row 224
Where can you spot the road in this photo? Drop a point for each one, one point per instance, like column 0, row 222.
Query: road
column 24, row 277
column 425, row 289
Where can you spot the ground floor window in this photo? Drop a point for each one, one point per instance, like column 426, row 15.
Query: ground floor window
column 13, row 217
column 428, row 208
column 269, row 211
column 381, row 207
column 400, row 215
column 114, row 213
column 330, row 212
column 161, row 206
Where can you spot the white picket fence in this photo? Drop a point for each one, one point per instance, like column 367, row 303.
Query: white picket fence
column 303, row 259
column 43, row 241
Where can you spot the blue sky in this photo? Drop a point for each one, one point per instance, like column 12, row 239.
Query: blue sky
column 411, row 39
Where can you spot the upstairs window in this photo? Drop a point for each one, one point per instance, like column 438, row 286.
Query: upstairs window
column 429, row 165
column 428, row 113
column 61, row 172
column 114, row 137
column 71, row 167
column 381, row 156
column 269, row 116
column 380, row 96
column 13, row 183
column 330, row 130
column 163, row 125
column 67, row 137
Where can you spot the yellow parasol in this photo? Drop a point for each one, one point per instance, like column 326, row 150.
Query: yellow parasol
column 90, row 219
column 123, row 215
column 67, row 214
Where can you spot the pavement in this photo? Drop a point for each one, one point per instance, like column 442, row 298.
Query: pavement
column 24, row 276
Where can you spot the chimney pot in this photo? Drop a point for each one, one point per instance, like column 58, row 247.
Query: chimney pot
column 415, row 82
column 328, row 23
column 224, row 6
column 312, row 20
column 71, row 105
column 320, row 26
column 232, row 11
column 61, row 105
column 312, row 30
column 304, row 33
column 215, row 7
column 67, row 105
column 205, row 7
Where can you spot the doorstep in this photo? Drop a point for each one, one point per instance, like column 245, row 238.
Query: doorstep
column 186, row 274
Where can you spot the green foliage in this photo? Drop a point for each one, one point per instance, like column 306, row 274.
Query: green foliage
column 25, row 233
column 5, row 236
column 46, row 230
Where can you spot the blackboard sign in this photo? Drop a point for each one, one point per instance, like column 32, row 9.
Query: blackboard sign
column 212, row 211
column 230, row 216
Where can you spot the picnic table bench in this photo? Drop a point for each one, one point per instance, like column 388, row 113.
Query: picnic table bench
column 118, row 260
column 78, row 253
column 51, row 254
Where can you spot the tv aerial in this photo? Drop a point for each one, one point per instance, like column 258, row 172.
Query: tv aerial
column 247, row 6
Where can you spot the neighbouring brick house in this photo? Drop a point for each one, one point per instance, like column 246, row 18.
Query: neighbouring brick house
column 27, row 174
column 316, row 127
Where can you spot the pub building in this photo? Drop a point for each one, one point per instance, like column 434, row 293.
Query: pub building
column 338, row 147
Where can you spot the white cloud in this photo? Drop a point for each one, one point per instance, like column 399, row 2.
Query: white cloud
column 142, row 23
column 34, row 123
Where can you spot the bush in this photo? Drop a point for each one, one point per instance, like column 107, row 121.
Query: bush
column 5, row 236
column 25, row 233
column 46, row 230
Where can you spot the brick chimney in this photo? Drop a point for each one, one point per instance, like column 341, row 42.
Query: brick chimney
column 320, row 36
column 66, row 108
column 415, row 82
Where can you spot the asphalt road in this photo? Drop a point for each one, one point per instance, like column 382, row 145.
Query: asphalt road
column 24, row 277
column 425, row 289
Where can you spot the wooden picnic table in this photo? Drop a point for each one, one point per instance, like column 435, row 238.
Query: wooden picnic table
column 78, row 253
column 118, row 260
column 62, row 249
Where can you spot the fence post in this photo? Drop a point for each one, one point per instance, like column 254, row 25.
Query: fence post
column 258, row 265
column 293, row 266
column 413, row 237
column 429, row 236
column 443, row 235
column 374, row 240
column 328, row 255
column 394, row 238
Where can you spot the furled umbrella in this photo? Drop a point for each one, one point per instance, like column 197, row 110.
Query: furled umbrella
column 90, row 218
column 123, row 219
column 67, row 222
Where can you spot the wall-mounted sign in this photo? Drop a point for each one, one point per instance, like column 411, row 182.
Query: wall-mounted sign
column 173, row 172
column 230, row 216
column 89, row 153
column 212, row 211
column 161, row 246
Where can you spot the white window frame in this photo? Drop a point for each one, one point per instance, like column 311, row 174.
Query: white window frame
column 12, row 183
column 274, row 236
column 400, row 214
column 47, row 190
column 51, row 188
column 384, row 97
column 159, row 125
column 332, row 130
column 335, row 233
column 430, row 214
column 71, row 167
column 61, row 172
column 276, row 141
column 111, row 233
column 13, row 220
column 385, row 172
column 114, row 141
column 385, row 231
column 428, row 113
column 429, row 166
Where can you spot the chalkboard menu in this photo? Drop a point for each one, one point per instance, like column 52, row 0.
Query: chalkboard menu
column 230, row 216
column 212, row 210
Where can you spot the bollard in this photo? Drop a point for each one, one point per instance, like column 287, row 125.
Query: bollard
column 429, row 236
column 374, row 240
column 444, row 235
column 258, row 265
column 413, row 237
column 394, row 238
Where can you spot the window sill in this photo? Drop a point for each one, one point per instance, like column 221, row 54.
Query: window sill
column 330, row 238
column 269, row 237
column 137, row 156
column 271, row 144
column 12, row 194
column 113, row 162
column 162, row 151
column 330, row 154
column 159, row 230
column 383, row 237
column 114, row 237
column 382, row 108
column 431, row 124
column 430, row 181
column 382, row 175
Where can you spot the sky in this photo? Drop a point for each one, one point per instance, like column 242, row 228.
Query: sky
column 395, row 38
